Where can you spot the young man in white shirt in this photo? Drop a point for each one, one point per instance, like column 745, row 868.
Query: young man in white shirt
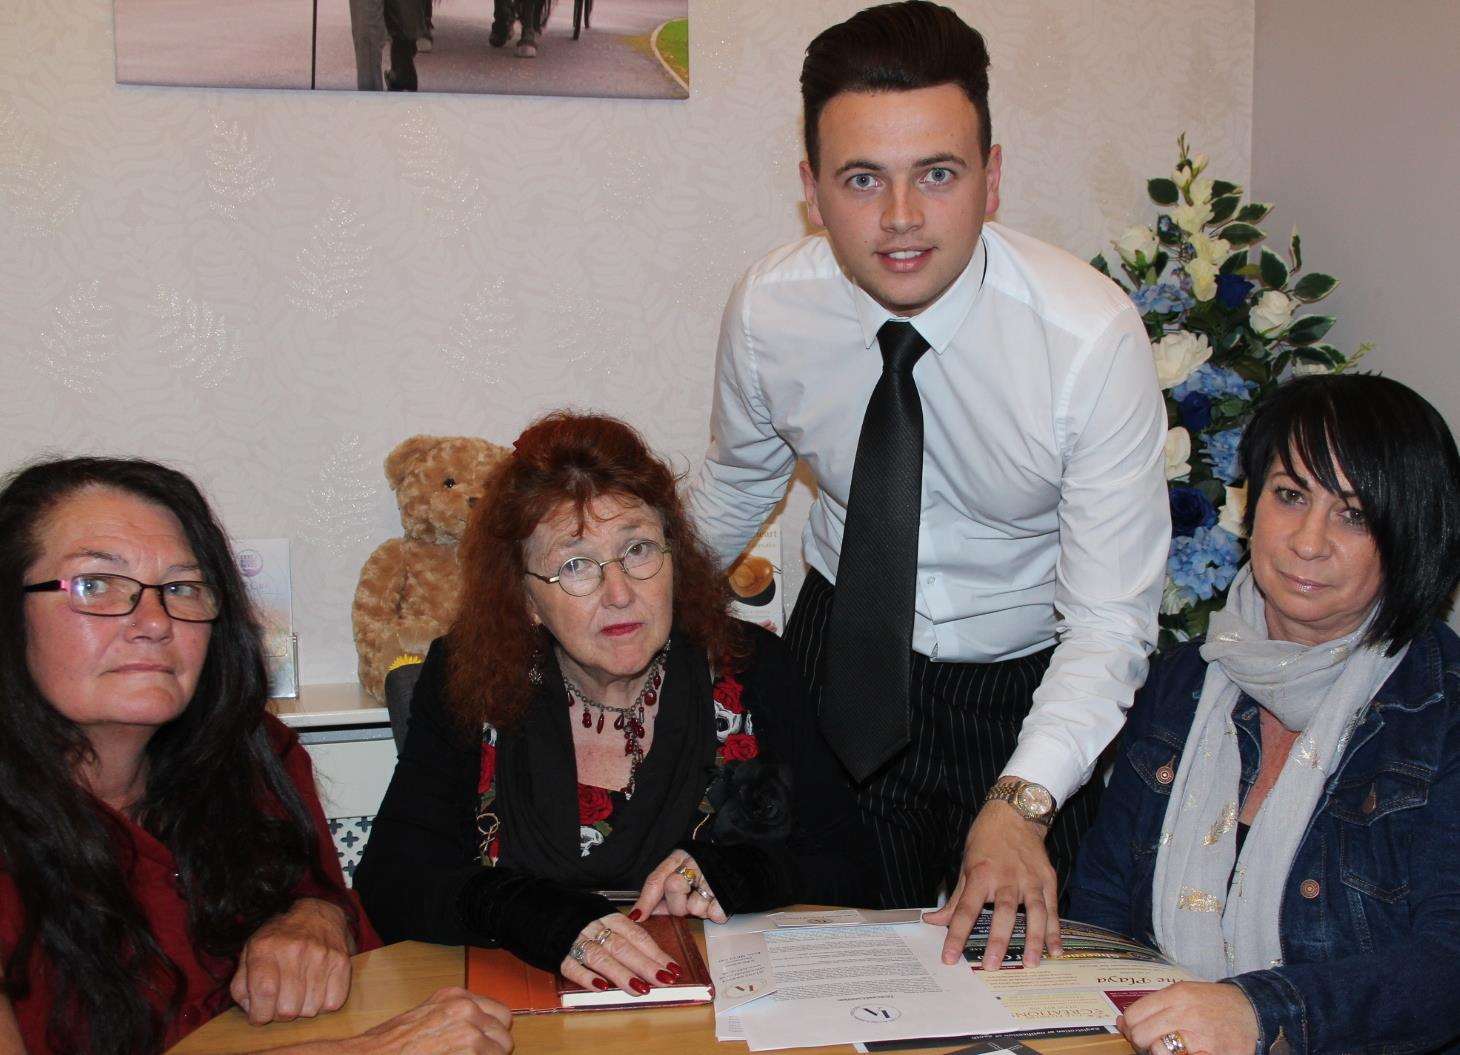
column 982, row 416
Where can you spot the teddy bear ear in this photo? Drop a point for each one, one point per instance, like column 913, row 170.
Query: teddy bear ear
column 399, row 461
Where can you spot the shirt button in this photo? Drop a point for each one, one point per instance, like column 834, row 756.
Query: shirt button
column 1309, row 888
column 1165, row 775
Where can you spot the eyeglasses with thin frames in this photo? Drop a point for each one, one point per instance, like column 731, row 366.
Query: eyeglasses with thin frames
column 580, row 576
column 116, row 595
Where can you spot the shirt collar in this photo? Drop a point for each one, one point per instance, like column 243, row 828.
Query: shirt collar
column 941, row 320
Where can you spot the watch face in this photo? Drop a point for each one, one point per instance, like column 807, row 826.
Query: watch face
column 1033, row 801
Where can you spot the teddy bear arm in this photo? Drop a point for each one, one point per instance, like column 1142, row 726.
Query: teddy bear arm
column 376, row 610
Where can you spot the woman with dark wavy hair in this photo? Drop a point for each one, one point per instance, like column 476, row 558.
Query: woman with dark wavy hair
column 595, row 720
column 162, row 849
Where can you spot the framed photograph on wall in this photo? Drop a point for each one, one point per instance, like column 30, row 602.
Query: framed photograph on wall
column 614, row 48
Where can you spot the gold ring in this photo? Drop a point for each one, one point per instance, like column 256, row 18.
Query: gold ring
column 691, row 875
column 601, row 938
column 1174, row 1044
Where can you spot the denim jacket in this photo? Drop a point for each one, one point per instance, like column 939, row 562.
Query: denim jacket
column 1370, row 920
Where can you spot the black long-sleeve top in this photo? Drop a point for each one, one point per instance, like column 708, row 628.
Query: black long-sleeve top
column 421, row 876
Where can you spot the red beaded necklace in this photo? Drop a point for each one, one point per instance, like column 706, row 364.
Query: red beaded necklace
column 627, row 720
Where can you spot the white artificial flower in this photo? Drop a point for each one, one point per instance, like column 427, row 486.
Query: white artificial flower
column 1305, row 369
column 1201, row 191
column 1199, row 164
column 1212, row 250
column 1174, row 599
column 1137, row 242
column 1181, row 175
column 1272, row 313
column 1203, row 275
column 1192, row 218
column 1178, row 453
column 1178, row 354
column 1234, row 510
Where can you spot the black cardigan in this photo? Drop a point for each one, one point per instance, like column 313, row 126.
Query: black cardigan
column 420, row 876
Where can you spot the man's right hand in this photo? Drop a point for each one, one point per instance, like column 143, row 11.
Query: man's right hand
column 451, row 1022
column 1004, row 862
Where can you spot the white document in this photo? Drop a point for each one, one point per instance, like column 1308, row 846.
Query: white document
column 831, row 984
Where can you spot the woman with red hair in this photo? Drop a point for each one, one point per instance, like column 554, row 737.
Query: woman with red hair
column 596, row 720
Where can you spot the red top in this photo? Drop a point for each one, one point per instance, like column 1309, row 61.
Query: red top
column 154, row 885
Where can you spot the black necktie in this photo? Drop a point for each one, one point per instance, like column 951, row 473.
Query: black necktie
column 864, row 709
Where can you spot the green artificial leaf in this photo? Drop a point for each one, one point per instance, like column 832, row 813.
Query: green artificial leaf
column 1221, row 188
column 1229, row 340
column 1098, row 263
column 1230, row 407
column 1274, row 271
column 1254, row 212
column 1314, row 286
column 1240, row 234
column 1295, row 251
column 1163, row 191
column 1159, row 264
column 1215, row 491
column 1331, row 355
column 1309, row 329
column 1280, row 363
column 1224, row 207
column 1234, row 263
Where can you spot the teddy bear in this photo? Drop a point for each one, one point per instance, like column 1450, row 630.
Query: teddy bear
column 410, row 587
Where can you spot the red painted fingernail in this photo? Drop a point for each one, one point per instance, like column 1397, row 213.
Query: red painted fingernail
column 599, row 983
column 674, row 969
column 634, row 916
column 639, row 986
column 665, row 978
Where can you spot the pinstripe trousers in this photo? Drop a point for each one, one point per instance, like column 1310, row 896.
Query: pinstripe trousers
column 965, row 720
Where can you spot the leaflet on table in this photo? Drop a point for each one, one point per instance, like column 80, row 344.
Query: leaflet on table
column 830, row 983
column 1098, row 976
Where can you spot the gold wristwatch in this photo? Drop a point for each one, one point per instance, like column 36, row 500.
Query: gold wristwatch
column 1032, row 801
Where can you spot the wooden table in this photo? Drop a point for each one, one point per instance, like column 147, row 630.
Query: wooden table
column 398, row 977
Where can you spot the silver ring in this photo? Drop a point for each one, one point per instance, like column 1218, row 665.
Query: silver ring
column 704, row 892
column 1174, row 1044
column 579, row 953
column 601, row 938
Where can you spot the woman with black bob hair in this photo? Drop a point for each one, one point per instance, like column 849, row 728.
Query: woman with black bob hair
column 1284, row 816
column 162, row 848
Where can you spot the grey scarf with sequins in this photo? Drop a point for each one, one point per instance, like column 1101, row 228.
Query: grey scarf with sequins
column 1321, row 691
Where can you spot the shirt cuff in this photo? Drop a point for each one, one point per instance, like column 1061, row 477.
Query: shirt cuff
column 1049, row 764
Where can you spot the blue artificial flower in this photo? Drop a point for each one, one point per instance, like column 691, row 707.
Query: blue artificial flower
column 1165, row 298
column 1204, row 561
column 1190, row 509
column 1232, row 290
column 1214, row 382
column 1221, row 454
column 1195, row 411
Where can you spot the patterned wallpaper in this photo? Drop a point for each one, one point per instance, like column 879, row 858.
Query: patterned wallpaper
column 270, row 289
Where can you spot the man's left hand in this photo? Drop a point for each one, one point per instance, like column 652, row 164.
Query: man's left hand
column 296, row 965
column 1004, row 862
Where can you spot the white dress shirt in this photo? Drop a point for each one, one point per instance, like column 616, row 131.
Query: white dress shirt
column 1044, row 509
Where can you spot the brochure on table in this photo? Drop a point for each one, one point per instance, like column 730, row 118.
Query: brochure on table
column 805, row 979
column 264, row 563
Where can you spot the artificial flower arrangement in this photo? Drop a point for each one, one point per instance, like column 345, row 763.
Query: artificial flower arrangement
column 1225, row 330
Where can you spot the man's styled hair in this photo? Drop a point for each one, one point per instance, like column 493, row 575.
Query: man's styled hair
column 1401, row 461
column 895, row 48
